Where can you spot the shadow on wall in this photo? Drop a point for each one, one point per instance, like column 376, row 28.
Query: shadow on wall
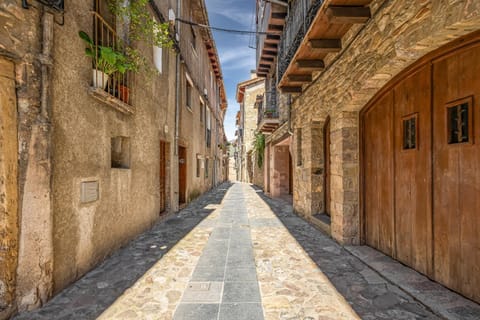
column 371, row 296
column 88, row 297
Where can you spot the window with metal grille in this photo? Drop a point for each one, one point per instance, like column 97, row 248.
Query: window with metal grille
column 410, row 132
column 458, row 122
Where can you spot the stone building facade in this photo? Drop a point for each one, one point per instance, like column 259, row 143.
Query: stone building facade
column 248, row 93
column 274, row 110
column 84, row 170
column 347, row 62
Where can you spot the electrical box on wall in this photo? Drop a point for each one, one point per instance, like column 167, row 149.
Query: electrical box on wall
column 89, row 191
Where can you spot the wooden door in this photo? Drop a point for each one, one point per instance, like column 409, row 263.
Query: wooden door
column 378, row 171
column 290, row 173
column 413, row 240
column 163, row 176
column 456, row 93
column 182, row 175
column 326, row 153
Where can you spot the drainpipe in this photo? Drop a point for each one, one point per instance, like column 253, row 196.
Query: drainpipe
column 177, row 81
column 289, row 103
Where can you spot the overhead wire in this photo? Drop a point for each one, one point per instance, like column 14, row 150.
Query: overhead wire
column 243, row 32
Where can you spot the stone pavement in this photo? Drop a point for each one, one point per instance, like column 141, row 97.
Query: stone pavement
column 235, row 254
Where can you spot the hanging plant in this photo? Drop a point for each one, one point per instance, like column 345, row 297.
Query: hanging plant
column 135, row 16
column 259, row 147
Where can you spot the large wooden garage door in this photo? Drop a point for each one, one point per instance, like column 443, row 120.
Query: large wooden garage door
column 421, row 164
column 457, row 171
column 378, row 137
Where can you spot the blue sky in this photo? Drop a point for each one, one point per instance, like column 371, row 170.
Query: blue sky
column 236, row 58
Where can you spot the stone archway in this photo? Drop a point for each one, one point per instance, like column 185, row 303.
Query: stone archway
column 8, row 187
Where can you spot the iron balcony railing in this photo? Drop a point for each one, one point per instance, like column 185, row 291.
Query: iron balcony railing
column 110, row 68
column 298, row 21
column 268, row 109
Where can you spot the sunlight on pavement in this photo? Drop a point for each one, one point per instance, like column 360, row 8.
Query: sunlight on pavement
column 291, row 284
column 158, row 292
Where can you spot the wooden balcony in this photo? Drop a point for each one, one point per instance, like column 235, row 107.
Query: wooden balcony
column 271, row 20
column 268, row 115
column 304, row 48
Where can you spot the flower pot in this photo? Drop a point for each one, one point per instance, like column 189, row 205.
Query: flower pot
column 100, row 79
column 123, row 93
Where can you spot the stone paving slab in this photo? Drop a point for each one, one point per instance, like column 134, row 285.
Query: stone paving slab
column 441, row 300
column 100, row 288
column 263, row 263
column 304, row 283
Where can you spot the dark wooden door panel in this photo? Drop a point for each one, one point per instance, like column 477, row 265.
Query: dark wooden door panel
column 182, row 175
column 163, row 176
column 457, row 172
column 378, row 170
column 326, row 141
column 413, row 212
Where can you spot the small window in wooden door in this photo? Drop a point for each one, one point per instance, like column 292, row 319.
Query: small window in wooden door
column 410, row 132
column 459, row 121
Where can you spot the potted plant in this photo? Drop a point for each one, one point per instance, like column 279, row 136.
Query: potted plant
column 107, row 60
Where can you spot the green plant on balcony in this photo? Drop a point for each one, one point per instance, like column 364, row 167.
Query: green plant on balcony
column 259, row 147
column 269, row 112
column 106, row 60
column 141, row 26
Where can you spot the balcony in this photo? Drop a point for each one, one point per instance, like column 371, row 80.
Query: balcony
column 268, row 115
column 313, row 29
column 271, row 19
column 111, row 83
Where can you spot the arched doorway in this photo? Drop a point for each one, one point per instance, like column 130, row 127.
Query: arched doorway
column 421, row 174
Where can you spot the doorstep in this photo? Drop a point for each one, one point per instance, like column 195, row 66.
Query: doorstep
column 321, row 221
column 433, row 295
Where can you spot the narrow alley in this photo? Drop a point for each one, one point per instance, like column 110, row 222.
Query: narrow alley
column 236, row 254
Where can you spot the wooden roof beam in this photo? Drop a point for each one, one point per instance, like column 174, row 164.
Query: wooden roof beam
column 266, row 59
column 275, row 29
column 264, row 66
column 279, row 15
column 300, row 77
column 268, row 53
column 326, row 45
column 291, row 89
column 273, row 37
column 348, row 14
column 310, row 64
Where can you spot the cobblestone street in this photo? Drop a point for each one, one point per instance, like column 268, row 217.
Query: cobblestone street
column 235, row 254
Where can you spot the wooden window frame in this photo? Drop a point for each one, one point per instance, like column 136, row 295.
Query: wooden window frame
column 469, row 101
column 299, row 147
column 404, row 119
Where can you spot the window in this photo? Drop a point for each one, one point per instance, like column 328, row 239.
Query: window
column 206, row 167
column 208, row 133
column 109, row 33
column 459, row 121
column 410, row 132
column 188, row 95
column 199, row 164
column 202, row 111
column 158, row 58
column 120, row 152
column 299, row 147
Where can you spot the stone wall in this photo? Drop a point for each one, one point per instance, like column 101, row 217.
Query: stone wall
column 50, row 116
column 258, row 175
column 8, row 187
column 397, row 35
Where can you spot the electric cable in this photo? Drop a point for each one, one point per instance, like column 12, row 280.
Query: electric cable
column 244, row 32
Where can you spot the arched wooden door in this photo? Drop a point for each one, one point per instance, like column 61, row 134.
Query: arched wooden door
column 421, row 169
